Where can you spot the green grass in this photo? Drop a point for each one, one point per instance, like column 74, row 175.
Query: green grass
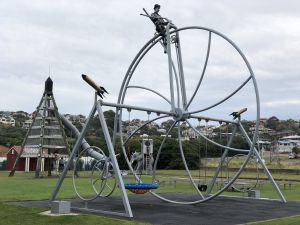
column 24, row 187
column 293, row 220
column 195, row 174
column 267, row 190
column 14, row 215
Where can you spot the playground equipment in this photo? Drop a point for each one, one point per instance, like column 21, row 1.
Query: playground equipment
column 182, row 106
column 144, row 159
column 101, row 173
column 45, row 138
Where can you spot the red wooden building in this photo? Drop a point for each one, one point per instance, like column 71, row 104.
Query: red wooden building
column 11, row 158
column 25, row 164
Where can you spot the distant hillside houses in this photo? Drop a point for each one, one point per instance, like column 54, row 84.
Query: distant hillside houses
column 270, row 129
column 130, row 129
column 190, row 133
column 20, row 113
column 10, row 118
column 7, row 120
column 286, row 144
column 75, row 118
column 161, row 130
column 25, row 119
column 262, row 130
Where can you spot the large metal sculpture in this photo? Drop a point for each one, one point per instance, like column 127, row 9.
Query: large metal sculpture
column 179, row 105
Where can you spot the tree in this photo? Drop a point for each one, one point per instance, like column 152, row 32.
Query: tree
column 272, row 123
column 296, row 150
column 10, row 136
column 167, row 124
column 109, row 118
column 246, row 124
column 170, row 157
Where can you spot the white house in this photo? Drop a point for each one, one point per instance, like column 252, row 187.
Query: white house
column 7, row 120
column 286, row 144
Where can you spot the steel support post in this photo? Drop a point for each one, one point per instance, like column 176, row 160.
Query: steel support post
column 170, row 67
column 114, row 161
column 181, row 73
column 269, row 175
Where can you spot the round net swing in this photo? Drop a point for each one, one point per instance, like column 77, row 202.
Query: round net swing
column 140, row 188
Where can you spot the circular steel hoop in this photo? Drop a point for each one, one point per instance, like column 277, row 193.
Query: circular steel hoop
column 74, row 175
column 253, row 185
column 126, row 84
column 105, row 169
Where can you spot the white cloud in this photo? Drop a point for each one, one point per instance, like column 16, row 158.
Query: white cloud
column 280, row 104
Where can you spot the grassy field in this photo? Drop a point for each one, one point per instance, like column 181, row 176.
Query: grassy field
column 280, row 161
column 24, row 187
column 294, row 220
column 13, row 215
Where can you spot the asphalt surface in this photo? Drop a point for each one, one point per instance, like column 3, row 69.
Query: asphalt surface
column 219, row 211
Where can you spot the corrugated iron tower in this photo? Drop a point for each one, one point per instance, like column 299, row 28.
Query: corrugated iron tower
column 45, row 141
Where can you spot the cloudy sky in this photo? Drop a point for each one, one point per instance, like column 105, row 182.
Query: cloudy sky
column 101, row 38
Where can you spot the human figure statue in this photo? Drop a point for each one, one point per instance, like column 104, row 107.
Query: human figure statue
column 160, row 24
column 158, row 20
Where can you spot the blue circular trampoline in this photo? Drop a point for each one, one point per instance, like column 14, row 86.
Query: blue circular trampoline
column 140, row 188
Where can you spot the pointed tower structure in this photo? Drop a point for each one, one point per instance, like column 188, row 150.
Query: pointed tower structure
column 45, row 141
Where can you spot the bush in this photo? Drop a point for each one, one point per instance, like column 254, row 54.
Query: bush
column 3, row 165
column 296, row 150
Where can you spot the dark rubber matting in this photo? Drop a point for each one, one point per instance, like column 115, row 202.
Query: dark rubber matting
column 219, row 211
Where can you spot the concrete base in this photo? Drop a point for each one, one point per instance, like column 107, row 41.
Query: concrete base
column 60, row 207
column 48, row 213
column 254, row 194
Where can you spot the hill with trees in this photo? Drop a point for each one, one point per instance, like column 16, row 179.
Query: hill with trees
column 195, row 148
